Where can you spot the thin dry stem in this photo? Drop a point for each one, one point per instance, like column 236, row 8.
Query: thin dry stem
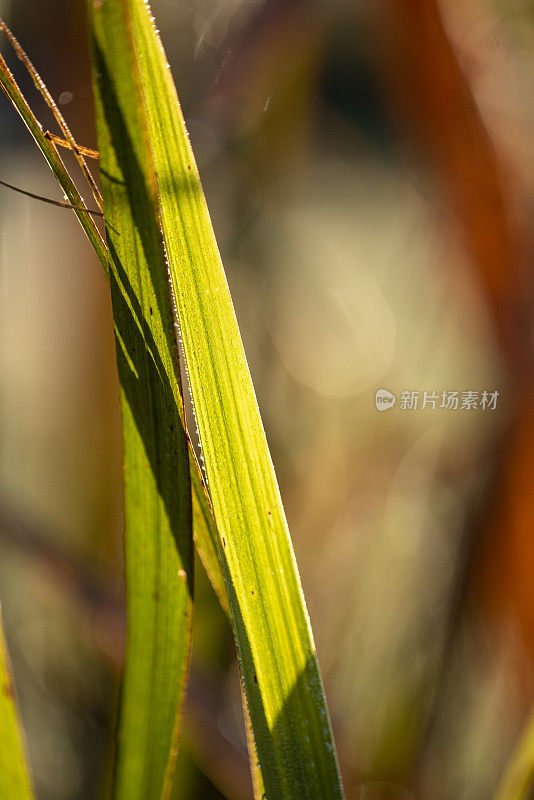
column 40, row 85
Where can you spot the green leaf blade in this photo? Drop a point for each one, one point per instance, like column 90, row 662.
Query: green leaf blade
column 157, row 490
column 280, row 671
column 15, row 781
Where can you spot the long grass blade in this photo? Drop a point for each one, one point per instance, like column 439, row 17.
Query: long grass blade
column 158, row 541
column 206, row 536
column 280, row 671
column 15, row 781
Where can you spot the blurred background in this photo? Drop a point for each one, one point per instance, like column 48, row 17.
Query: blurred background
column 369, row 167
